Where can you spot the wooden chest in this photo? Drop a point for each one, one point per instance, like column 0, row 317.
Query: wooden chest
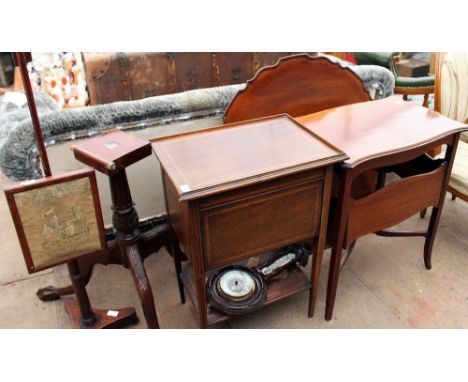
column 241, row 190
column 115, row 77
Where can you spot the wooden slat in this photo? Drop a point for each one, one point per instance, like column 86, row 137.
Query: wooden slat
column 394, row 203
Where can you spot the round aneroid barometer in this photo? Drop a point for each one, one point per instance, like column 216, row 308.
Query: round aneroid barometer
column 236, row 284
column 236, row 290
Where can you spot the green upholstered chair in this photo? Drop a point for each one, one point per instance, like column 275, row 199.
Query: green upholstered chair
column 403, row 85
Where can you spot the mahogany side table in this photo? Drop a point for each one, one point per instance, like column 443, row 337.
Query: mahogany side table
column 387, row 135
column 238, row 191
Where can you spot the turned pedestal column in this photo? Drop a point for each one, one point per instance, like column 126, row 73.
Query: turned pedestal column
column 111, row 154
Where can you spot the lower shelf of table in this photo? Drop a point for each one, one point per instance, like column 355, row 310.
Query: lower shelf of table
column 295, row 281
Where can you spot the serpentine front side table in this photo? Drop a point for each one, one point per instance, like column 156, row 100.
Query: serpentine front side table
column 387, row 135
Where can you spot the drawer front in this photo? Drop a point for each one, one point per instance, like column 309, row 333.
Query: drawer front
column 259, row 223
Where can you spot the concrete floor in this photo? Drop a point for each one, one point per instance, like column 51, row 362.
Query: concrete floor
column 383, row 285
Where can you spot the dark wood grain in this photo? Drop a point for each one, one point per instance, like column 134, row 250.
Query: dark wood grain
column 296, row 85
column 125, row 316
column 320, row 243
column 289, row 215
column 254, row 186
column 262, row 59
column 235, row 155
column 178, row 213
column 369, row 130
column 385, row 135
column 294, row 282
column 112, row 151
column 400, row 200
column 232, row 68
column 129, row 76
column 193, row 73
column 124, row 76
column 331, row 101
column 111, row 154
column 437, row 210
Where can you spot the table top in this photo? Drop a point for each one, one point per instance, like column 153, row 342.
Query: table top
column 112, row 151
column 234, row 155
column 371, row 129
